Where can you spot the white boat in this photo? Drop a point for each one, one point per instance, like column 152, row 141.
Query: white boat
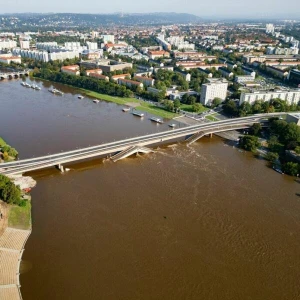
column 80, row 97
column 126, row 109
column 96, row 101
column 37, row 88
column 172, row 125
column 23, row 83
column 33, row 86
column 55, row 91
column 157, row 120
column 138, row 114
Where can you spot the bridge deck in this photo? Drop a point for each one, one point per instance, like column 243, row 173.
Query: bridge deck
column 26, row 165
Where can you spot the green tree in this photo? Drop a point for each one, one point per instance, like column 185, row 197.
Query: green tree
column 9, row 192
column 249, row 143
column 291, row 168
column 169, row 105
column 297, row 149
column 197, row 107
column 216, row 102
column 272, row 157
column 255, row 129
column 245, row 109
column 176, row 104
column 230, row 108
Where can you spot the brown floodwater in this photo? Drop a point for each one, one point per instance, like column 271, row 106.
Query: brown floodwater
column 200, row 222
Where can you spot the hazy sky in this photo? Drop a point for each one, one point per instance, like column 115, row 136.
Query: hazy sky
column 236, row 8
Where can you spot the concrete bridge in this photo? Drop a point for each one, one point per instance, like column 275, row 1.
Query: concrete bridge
column 124, row 148
column 15, row 74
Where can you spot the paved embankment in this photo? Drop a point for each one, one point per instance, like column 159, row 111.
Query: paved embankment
column 12, row 244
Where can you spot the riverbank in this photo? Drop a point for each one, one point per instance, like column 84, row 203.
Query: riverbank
column 15, row 229
column 141, row 105
column 7, row 153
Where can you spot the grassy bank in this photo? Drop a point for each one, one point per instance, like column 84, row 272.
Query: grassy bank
column 211, row 118
column 20, row 217
column 143, row 106
column 189, row 108
column 2, row 142
column 9, row 153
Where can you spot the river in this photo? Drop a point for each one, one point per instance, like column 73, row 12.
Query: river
column 200, row 222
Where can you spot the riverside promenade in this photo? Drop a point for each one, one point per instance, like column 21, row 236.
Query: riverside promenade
column 12, row 243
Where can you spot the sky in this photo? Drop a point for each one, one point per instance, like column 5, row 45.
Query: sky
column 202, row 8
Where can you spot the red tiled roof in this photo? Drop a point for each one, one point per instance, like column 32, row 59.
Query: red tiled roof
column 120, row 76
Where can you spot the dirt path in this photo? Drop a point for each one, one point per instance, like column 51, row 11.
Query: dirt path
column 4, row 209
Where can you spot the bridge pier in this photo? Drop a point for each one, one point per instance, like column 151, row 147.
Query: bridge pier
column 60, row 167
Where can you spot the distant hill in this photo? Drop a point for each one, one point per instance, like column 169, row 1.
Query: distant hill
column 70, row 20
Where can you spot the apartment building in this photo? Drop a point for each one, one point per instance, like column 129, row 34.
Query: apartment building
column 294, row 76
column 24, row 44
column 215, row 88
column 161, row 40
column 108, row 38
column 291, row 96
column 130, row 83
column 71, row 70
column 120, row 76
column 158, row 54
column 145, row 80
column 97, row 73
column 92, row 46
column 7, row 44
column 8, row 59
column 277, row 71
column 244, row 78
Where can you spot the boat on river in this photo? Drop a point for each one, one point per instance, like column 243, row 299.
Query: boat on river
column 96, row 101
column 56, row 92
column 138, row 114
column 172, row 125
column 157, row 120
column 80, row 97
column 125, row 109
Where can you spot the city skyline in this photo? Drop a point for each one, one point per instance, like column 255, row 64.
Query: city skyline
column 234, row 9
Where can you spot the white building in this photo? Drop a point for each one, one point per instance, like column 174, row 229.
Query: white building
column 295, row 44
column 292, row 96
column 73, row 46
column 44, row 56
column 270, row 28
column 63, row 55
column 47, row 46
column 244, row 78
column 7, row 44
column 286, row 51
column 24, row 44
column 161, row 40
column 8, row 59
column 178, row 41
column 215, row 88
column 92, row 46
column 108, row 38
